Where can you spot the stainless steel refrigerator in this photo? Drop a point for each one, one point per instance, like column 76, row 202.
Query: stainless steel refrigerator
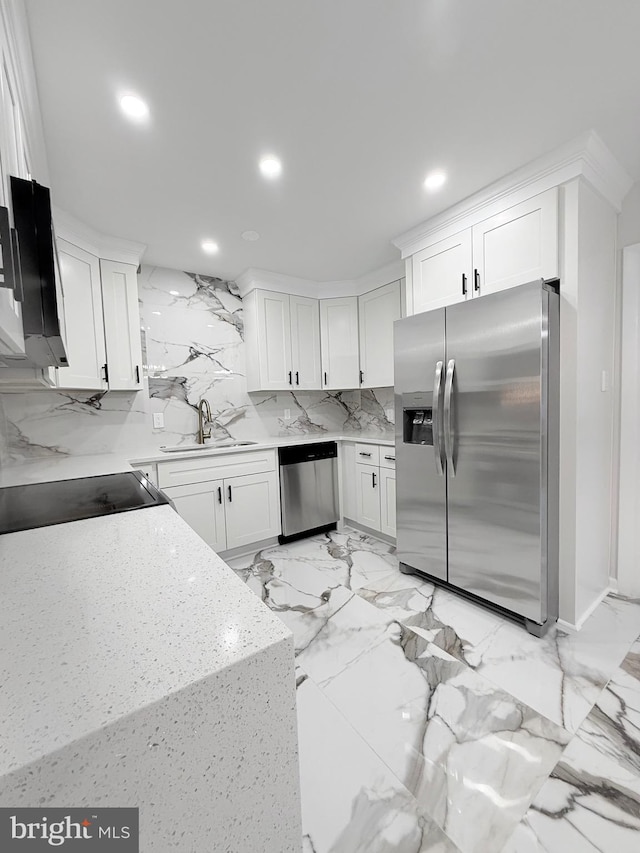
column 476, row 398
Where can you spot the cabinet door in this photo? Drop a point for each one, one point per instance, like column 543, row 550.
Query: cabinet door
column 84, row 320
column 201, row 505
column 368, row 496
column 339, row 342
column 388, row 501
column 252, row 508
column 441, row 273
column 305, row 342
column 121, row 325
column 518, row 245
column 274, row 340
column 377, row 312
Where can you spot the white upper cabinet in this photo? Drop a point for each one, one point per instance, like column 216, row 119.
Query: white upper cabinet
column 274, row 340
column 377, row 312
column 283, row 341
column 305, row 342
column 85, row 344
column 441, row 273
column 121, row 325
column 339, row 342
column 517, row 245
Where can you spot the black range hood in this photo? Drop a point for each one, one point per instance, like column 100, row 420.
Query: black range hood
column 42, row 315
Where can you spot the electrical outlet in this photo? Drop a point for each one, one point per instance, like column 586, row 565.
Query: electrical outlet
column 389, row 413
column 158, row 420
column 287, row 414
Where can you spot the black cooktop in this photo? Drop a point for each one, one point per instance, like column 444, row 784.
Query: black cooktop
column 42, row 504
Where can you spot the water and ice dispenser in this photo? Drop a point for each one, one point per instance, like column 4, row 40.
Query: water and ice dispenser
column 418, row 426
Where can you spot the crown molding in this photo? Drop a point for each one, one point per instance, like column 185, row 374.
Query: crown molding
column 15, row 26
column 586, row 156
column 256, row 279
column 102, row 245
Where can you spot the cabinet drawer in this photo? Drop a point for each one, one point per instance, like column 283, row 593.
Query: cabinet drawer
column 388, row 457
column 199, row 470
column 367, row 454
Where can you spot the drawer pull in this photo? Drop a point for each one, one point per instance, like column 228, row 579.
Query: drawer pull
column 364, row 454
column 390, row 458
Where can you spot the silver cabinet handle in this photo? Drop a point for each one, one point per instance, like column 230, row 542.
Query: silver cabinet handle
column 448, row 432
column 436, row 416
column 390, row 458
column 364, row 454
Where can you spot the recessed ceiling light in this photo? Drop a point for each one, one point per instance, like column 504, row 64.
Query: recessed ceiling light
column 174, row 293
column 134, row 107
column 270, row 166
column 435, row 180
column 210, row 247
column 158, row 313
column 251, row 236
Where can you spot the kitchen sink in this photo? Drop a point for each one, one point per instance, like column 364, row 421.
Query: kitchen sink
column 183, row 448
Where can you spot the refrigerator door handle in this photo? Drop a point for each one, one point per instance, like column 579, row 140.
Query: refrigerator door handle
column 448, row 432
column 436, row 418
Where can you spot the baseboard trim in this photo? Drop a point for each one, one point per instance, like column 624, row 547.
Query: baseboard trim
column 376, row 534
column 245, row 550
column 570, row 626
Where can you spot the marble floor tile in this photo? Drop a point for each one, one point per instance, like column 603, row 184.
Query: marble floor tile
column 472, row 755
column 591, row 802
column 560, row 675
column 301, row 584
column 453, row 705
column 351, row 802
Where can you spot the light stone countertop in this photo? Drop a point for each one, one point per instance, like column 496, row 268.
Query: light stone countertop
column 62, row 467
column 102, row 617
column 263, row 444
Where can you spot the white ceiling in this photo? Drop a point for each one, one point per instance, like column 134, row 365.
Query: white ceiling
column 360, row 99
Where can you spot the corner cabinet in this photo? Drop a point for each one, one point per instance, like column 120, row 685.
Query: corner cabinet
column 283, row 341
column 301, row 343
column 514, row 246
column 339, row 343
column 377, row 312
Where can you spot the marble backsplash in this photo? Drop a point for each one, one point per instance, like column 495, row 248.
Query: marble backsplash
column 193, row 347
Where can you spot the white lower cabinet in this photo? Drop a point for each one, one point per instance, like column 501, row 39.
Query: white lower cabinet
column 252, row 508
column 227, row 512
column 201, row 505
column 388, row 501
column 371, row 470
column 368, row 495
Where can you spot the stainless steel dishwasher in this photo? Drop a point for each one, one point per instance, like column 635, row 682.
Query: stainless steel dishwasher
column 308, row 489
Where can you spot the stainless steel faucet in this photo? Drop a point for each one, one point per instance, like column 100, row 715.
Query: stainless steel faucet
column 204, row 415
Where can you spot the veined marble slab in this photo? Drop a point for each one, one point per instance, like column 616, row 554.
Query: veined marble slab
column 591, row 801
column 471, row 754
column 559, row 676
column 351, row 802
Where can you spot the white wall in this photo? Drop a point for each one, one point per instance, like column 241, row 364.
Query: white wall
column 629, row 496
column 629, row 219
column 588, row 320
